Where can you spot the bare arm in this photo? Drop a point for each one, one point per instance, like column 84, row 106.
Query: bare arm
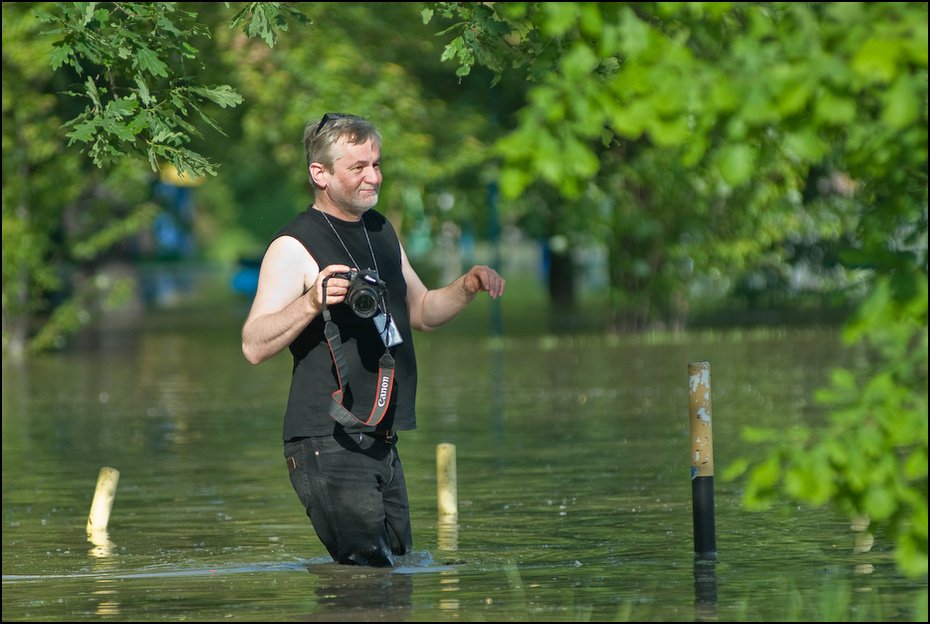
column 288, row 298
column 431, row 308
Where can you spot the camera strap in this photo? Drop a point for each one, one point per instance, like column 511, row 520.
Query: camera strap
column 385, row 380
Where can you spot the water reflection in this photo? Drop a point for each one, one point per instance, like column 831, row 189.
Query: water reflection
column 448, row 532
column 103, row 547
column 705, row 590
column 105, row 590
column 353, row 594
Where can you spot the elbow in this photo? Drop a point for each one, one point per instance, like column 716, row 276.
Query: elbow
column 253, row 349
column 251, row 355
column 422, row 327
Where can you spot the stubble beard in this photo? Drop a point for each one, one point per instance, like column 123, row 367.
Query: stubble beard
column 358, row 204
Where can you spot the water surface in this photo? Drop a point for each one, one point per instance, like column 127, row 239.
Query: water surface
column 573, row 485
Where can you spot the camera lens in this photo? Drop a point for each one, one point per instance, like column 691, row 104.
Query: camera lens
column 364, row 303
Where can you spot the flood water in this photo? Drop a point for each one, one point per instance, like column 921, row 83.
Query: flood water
column 573, row 468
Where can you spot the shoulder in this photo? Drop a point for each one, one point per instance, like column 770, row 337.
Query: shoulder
column 299, row 233
column 287, row 269
column 287, row 243
column 285, row 251
column 300, row 221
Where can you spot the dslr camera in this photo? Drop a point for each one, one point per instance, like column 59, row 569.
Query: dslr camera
column 366, row 292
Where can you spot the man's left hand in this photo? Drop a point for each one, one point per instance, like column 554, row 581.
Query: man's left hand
column 484, row 279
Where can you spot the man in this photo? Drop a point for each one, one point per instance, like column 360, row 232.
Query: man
column 353, row 381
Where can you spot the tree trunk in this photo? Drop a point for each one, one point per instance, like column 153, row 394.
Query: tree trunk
column 561, row 281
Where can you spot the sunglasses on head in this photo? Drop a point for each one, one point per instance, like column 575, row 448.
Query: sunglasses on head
column 326, row 119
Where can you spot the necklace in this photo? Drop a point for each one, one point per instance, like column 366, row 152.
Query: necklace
column 342, row 242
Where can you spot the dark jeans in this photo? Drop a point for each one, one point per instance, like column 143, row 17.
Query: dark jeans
column 353, row 488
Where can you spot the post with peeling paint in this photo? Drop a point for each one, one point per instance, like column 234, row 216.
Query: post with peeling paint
column 702, row 461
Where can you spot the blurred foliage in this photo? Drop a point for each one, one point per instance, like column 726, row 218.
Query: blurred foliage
column 59, row 211
column 353, row 59
column 193, row 86
column 712, row 147
column 872, row 460
column 718, row 139
column 112, row 79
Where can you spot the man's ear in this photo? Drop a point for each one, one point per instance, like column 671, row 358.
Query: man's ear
column 318, row 174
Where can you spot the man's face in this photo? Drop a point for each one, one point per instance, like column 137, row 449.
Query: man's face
column 355, row 181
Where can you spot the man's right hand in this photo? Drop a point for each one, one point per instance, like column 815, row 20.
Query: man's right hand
column 336, row 288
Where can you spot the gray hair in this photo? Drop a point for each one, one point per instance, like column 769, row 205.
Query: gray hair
column 321, row 136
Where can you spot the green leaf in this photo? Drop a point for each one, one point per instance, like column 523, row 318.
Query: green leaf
column 149, row 61
column 82, row 132
column 144, row 95
column 669, row 132
column 835, row 109
column 631, row 120
column 736, row 163
column 60, row 55
column 806, row 144
column 877, row 60
column 634, row 34
column 224, row 95
column 901, row 103
column 736, row 469
column 879, row 503
column 91, row 91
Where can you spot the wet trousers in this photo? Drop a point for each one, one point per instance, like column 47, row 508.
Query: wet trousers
column 353, row 488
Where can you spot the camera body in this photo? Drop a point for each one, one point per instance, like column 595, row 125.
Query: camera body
column 366, row 292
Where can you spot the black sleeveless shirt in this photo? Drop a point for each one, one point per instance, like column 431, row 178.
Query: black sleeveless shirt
column 313, row 379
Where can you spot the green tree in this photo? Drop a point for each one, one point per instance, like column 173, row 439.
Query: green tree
column 698, row 131
column 615, row 83
column 131, row 87
column 58, row 211
column 115, row 80
column 137, row 65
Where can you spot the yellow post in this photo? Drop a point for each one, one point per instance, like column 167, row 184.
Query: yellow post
column 702, row 438
column 446, row 480
column 103, row 500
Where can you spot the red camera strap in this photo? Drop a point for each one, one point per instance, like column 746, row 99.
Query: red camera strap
column 382, row 393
